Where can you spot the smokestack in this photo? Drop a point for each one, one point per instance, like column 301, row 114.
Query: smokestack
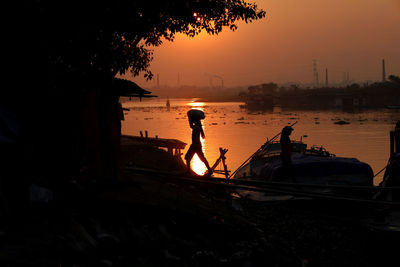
column 383, row 71
column 326, row 77
column 316, row 83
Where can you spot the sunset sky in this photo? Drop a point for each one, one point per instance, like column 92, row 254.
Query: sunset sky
column 342, row 35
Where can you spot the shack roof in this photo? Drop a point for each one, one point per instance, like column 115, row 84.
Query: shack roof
column 94, row 80
column 128, row 88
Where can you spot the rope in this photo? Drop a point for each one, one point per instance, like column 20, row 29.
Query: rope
column 380, row 171
column 263, row 184
column 274, row 189
column 272, row 139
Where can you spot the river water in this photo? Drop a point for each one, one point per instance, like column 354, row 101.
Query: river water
column 226, row 125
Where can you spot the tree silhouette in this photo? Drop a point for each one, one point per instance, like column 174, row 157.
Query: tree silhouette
column 394, row 79
column 65, row 55
column 117, row 36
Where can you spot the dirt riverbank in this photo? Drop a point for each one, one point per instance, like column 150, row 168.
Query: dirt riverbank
column 143, row 220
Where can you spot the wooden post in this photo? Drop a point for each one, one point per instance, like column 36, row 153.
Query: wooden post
column 177, row 152
column 170, row 150
column 221, row 157
column 223, row 151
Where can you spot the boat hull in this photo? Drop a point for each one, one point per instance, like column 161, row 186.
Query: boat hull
column 309, row 169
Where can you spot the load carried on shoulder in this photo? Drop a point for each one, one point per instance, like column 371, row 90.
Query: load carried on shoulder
column 195, row 115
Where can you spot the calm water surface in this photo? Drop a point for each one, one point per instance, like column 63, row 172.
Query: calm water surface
column 242, row 132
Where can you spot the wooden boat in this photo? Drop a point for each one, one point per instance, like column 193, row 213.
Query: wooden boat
column 309, row 166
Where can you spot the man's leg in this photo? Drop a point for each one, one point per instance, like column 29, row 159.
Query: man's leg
column 204, row 160
column 188, row 165
column 188, row 157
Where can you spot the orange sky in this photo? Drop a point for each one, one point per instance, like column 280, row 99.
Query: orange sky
column 342, row 35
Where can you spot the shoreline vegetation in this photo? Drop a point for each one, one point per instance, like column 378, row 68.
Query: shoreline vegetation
column 145, row 220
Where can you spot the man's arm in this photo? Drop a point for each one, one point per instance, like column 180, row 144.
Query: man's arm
column 199, row 128
column 202, row 133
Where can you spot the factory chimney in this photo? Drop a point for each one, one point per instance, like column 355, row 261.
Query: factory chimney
column 326, row 78
column 383, row 71
column 316, row 83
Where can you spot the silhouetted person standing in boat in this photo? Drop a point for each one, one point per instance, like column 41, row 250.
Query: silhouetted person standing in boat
column 286, row 152
column 195, row 116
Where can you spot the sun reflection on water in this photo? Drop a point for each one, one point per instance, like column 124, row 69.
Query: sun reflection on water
column 197, row 105
column 196, row 164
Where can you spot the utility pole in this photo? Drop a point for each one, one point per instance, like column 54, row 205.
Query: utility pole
column 383, row 71
column 316, row 83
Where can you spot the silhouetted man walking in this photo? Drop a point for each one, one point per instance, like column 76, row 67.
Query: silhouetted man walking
column 195, row 116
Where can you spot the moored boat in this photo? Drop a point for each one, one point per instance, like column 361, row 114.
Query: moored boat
column 312, row 165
